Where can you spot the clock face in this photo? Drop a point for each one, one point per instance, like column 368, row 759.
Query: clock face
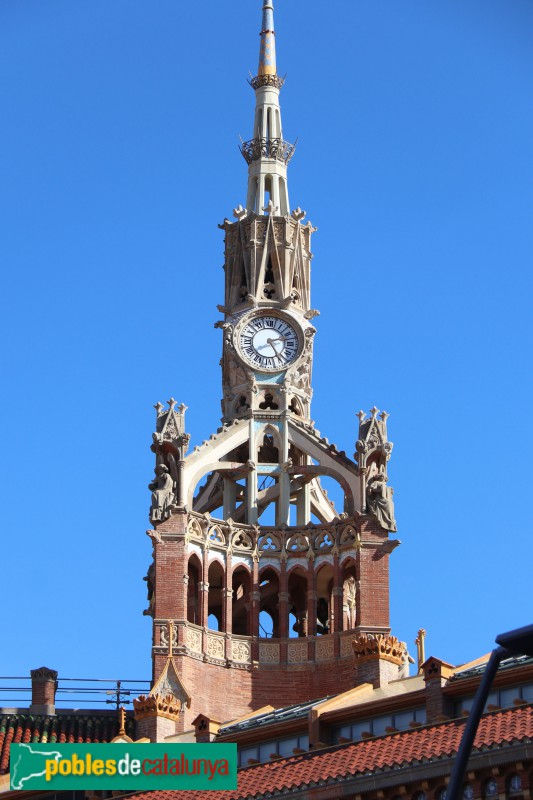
column 268, row 342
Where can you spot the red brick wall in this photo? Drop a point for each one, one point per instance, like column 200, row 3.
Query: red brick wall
column 223, row 694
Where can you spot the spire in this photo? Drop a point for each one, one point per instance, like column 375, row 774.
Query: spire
column 267, row 154
column 267, row 49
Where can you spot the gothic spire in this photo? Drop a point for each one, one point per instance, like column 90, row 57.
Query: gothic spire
column 267, row 154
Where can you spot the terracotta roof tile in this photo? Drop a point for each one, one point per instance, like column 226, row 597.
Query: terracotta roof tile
column 385, row 752
column 16, row 728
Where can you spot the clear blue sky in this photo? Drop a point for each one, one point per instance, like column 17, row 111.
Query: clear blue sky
column 118, row 159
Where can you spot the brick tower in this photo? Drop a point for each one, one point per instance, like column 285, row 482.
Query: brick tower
column 259, row 582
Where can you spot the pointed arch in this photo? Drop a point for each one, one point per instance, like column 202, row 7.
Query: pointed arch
column 269, row 586
column 216, row 578
column 241, row 582
column 324, row 604
column 194, row 574
column 297, row 588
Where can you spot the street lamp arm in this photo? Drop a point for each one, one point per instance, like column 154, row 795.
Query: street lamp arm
column 454, row 790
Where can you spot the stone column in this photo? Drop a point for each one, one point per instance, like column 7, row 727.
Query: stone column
column 251, row 494
column 311, row 609
column 283, row 611
column 303, row 501
column 230, row 497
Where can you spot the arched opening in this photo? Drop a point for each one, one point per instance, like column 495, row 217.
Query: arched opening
column 268, row 453
column 194, row 570
column 513, row 785
column 259, row 127
column 241, row 602
column 268, row 189
column 269, row 124
column 295, row 406
column 215, row 607
column 283, row 197
column 278, row 124
column 325, row 622
column 243, row 281
column 349, row 595
column 297, row 602
column 489, row 789
column 269, row 603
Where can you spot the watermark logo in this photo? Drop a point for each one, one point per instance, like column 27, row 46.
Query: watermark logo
column 123, row 766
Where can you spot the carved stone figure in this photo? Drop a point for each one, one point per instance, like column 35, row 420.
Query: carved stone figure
column 349, row 602
column 162, row 489
column 149, row 578
column 379, row 501
column 237, row 376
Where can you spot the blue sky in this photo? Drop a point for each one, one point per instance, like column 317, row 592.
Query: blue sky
column 119, row 133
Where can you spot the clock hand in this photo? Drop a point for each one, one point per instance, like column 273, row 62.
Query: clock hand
column 271, row 343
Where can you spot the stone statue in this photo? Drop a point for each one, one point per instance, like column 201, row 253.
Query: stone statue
column 349, row 595
column 149, row 578
column 237, row 376
column 162, row 488
column 379, row 501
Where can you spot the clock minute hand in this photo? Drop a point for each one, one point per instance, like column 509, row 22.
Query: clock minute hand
column 271, row 343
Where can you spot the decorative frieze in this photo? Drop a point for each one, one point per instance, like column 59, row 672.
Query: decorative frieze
column 324, row 648
column 269, row 652
column 297, row 652
column 241, row 651
column 215, row 646
column 194, row 639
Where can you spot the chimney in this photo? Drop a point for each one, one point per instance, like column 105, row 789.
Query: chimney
column 43, row 691
column 205, row 729
column 436, row 673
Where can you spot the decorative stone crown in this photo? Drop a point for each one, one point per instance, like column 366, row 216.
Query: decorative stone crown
column 43, row 675
column 368, row 645
column 266, row 80
column 155, row 705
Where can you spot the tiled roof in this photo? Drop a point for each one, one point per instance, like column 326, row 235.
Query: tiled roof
column 432, row 742
column 478, row 669
column 269, row 717
column 70, row 728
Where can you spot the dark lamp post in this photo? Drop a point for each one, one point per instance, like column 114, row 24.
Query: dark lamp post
column 517, row 642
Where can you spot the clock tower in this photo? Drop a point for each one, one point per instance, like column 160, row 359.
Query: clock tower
column 259, row 585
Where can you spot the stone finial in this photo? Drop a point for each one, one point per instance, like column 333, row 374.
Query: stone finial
column 171, row 403
column 240, row 212
column 420, row 642
column 159, row 407
column 298, row 214
column 361, row 415
column 374, row 411
column 270, row 208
